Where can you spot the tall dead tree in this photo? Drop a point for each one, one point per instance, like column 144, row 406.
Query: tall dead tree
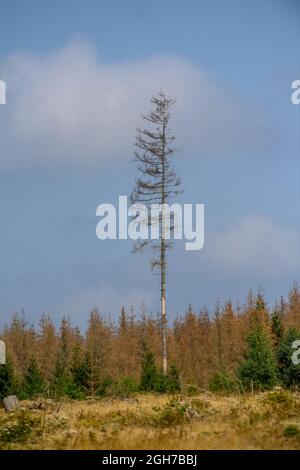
column 157, row 183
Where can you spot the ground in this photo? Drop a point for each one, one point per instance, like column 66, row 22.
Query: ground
column 268, row 420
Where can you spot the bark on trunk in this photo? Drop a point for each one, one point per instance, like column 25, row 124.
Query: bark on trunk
column 163, row 309
column 163, row 263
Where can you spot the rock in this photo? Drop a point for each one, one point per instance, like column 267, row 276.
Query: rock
column 131, row 400
column 10, row 403
column 71, row 432
column 192, row 413
column 42, row 405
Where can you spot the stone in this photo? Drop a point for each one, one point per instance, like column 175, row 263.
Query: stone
column 10, row 403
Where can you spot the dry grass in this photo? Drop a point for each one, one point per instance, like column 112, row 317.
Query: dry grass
column 264, row 421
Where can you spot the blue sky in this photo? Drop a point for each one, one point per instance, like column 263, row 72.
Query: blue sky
column 78, row 75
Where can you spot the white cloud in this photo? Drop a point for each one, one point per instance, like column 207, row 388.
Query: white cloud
column 69, row 107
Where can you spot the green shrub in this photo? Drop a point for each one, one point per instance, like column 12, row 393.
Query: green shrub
column 19, row 427
column 291, row 431
column 190, row 389
column 7, row 380
column 289, row 373
column 154, row 380
column 173, row 379
column 76, row 392
column 281, row 403
column 79, row 382
column 103, row 388
column 60, row 379
column 225, row 383
column 123, row 387
column 258, row 369
column 149, row 377
column 174, row 412
column 33, row 384
column 277, row 327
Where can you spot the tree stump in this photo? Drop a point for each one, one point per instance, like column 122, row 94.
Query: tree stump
column 10, row 403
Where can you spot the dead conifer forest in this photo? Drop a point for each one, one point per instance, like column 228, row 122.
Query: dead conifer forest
column 149, row 232
column 230, row 382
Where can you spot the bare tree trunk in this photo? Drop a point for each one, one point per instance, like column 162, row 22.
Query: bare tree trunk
column 163, row 262
column 158, row 183
column 163, row 306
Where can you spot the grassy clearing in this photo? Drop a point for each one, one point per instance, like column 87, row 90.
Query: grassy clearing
column 263, row 421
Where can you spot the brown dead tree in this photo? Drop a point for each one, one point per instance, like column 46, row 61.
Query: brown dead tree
column 157, row 184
